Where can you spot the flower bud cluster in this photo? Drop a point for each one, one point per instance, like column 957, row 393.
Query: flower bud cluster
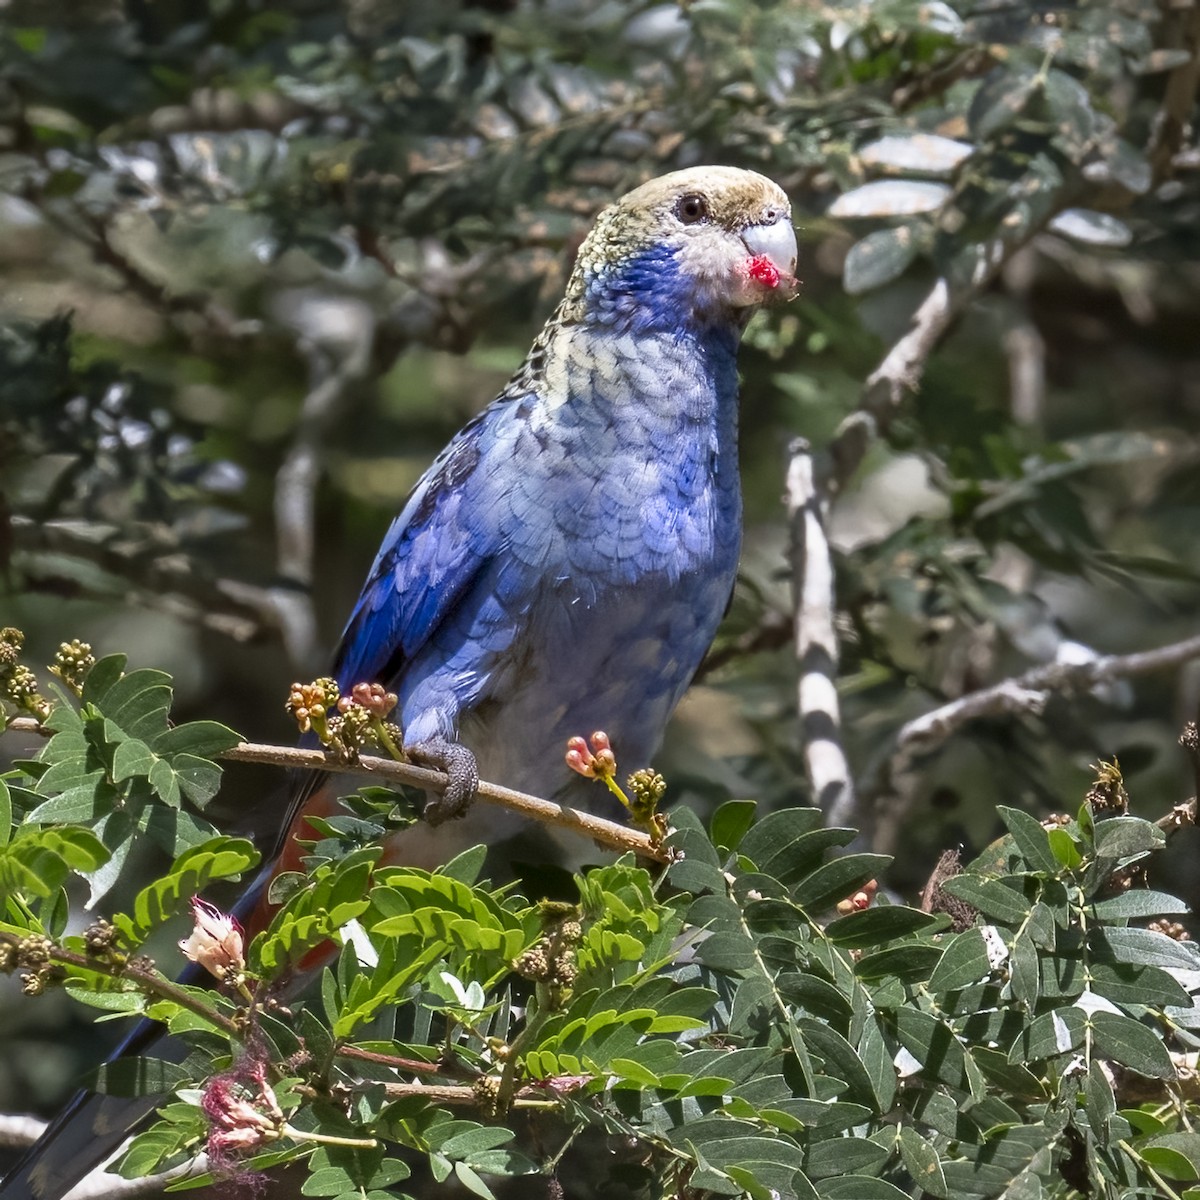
column 100, row 939
column 18, row 684
column 646, row 790
column 33, row 953
column 1172, row 929
column 1107, row 794
column 595, row 762
column 345, row 724
column 551, row 960
column 72, row 663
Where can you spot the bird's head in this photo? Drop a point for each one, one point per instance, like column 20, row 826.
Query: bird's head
column 701, row 246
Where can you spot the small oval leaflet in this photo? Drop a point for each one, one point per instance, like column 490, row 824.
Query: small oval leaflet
column 1091, row 228
column 891, row 198
column 927, row 153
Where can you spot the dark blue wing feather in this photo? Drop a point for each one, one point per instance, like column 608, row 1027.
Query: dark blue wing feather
column 436, row 548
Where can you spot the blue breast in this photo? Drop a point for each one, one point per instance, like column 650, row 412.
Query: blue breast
column 616, row 510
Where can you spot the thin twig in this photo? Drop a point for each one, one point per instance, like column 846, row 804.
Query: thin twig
column 149, row 981
column 458, row 1095
column 816, row 642
column 606, row 833
column 1028, row 692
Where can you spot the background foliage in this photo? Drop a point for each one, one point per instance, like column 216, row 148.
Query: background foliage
column 261, row 261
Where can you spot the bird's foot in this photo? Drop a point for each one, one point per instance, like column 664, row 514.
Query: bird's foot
column 463, row 777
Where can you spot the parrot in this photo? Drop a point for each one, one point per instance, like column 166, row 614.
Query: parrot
column 563, row 564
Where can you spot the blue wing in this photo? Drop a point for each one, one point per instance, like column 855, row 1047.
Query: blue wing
column 435, row 551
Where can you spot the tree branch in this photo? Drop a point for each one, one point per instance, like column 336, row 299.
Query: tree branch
column 816, row 642
column 296, row 483
column 1028, row 692
column 607, row 833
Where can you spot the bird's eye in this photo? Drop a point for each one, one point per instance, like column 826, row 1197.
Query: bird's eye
column 691, row 208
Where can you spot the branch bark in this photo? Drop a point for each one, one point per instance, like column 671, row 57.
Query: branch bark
column 607, row 833
column 816, row 642
column 1029, row 692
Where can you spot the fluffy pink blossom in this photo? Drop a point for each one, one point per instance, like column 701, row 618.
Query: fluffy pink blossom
column 215, row 942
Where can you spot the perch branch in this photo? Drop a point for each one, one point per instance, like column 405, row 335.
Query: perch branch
column 606, row 833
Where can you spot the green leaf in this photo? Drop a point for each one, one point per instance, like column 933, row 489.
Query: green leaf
column 1127, row 983
column 6, row 814
column 1025, row 970
column 1099, row 1101
column 809, row 992
column 465, row 867
column 933, row 1044
column 1131, row 1044
column 909, row 963
column 138, row 703
column 964, row 961
column 1031, row 839
column 837, row 1156
column 1145, row 947
column 133, row 1075
column 1138, row 902
column 859, row 1187
column 470, row 1179
column 879, row 258
column 201, row 739
column 1001, row 99
column 131, row 758
column 837, row 879
column 101, row 678
column 731, row 822
column 191, row 872
column 1176, row 1155
column 841, row 1060
column 922, row 1162
column 877, row 1061
column 1119, row 837
column 1064, row 849
column 1057, row 1032
column 1000, row 899
column 876, row 925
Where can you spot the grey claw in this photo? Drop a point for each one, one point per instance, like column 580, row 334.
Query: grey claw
column 459, row 764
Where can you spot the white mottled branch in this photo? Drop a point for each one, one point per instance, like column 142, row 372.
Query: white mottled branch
column 816, row 642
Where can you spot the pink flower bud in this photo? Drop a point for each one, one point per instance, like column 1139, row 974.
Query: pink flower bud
column 578, row 763
column 600, row 741
column 605, row 762
column 215, row 942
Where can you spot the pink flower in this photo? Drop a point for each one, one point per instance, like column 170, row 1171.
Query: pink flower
column 216, row 941
column 242, row 1111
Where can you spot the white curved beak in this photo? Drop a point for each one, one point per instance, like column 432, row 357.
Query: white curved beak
column 776, row 242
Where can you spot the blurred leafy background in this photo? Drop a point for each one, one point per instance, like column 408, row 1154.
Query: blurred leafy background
column 261, row 260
